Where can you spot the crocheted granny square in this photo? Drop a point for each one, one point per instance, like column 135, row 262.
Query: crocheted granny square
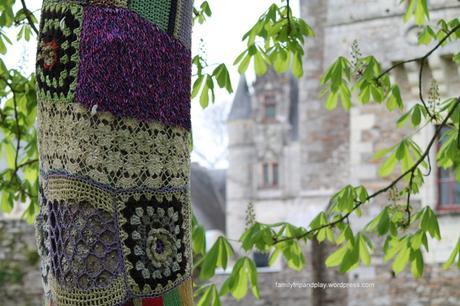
column 155, row 229
column 58, row 50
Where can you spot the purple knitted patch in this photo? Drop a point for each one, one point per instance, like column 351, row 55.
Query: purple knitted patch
column 131, row 68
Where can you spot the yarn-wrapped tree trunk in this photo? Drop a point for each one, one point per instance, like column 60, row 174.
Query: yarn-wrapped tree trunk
column 113, row 122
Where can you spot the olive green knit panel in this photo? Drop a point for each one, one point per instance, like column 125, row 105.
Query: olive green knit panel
column 156, row 11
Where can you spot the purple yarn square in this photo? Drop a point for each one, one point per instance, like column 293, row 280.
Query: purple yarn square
column 131, row 68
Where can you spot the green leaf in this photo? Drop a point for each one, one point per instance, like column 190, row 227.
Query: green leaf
column 208, row 86
column 426, row 35
column 345, row 96
column 243, row 59
column 2, row 46
column 421, row 12
column 395, row 100
column 331, row 102
column 199, row 240
column 209, row 262
column 401, row 260
column 10, row 154
column 273, row 257
column 210, row 296
column 456, row 58
column 388, row 166
column 252, row 272
column 429, row 223
column 217, row 256
column 364, row 254
column 259, row 64
column 223, row 77
column 455, row 253
column 392, row 246
column 6, row 204
column 244, row 272
column 346, row 234
column 351, row 258
column 365, row 95
column 403, row 119
column 281, row 61
column 297, row 65
column 336, row 257
column 293, row 255
column 417, row 239
column 383, row 152
column 416, row 116
column 197, row 85
column 417, row 263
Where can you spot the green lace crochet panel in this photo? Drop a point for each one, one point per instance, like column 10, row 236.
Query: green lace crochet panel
column 120, row 152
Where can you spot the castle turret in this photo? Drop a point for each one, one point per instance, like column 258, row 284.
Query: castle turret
column 240, row 158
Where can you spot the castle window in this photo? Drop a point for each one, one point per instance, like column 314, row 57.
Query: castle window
column 275, row 174
column 269, row 106
column 270, row 175
column 448, row 188
column 270, row 111
column 266, row 174
column 448, row 191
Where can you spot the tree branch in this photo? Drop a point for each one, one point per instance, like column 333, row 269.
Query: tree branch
column 439, row 44
column 17, row 166
column 29, row 17
column 422, row 60
column 391, row 185
column 288, row 5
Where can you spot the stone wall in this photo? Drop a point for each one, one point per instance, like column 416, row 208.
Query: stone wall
column 20, row 281
column 273, row 284
column 437, row 287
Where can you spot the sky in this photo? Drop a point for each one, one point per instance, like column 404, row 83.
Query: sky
column 220, row 38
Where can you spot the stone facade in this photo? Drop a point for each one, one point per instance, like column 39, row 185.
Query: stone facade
column 20, row 281
column 318, row 152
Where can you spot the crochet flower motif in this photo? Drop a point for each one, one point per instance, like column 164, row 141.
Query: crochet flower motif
column 156, row 247
column 50, row 54
column 57, row 54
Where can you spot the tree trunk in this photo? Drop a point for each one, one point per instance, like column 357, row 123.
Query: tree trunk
column 113, row 129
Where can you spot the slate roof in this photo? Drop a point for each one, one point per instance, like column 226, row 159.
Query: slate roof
column 208, row 196
column 241, row 106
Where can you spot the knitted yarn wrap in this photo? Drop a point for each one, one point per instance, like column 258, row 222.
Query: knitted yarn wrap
column 113, row 85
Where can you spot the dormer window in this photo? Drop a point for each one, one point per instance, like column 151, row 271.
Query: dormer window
column 269, row 106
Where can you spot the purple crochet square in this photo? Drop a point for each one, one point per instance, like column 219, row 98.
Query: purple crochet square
column 131, row 68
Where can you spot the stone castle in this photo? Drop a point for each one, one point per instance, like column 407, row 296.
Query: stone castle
column 288, row 155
